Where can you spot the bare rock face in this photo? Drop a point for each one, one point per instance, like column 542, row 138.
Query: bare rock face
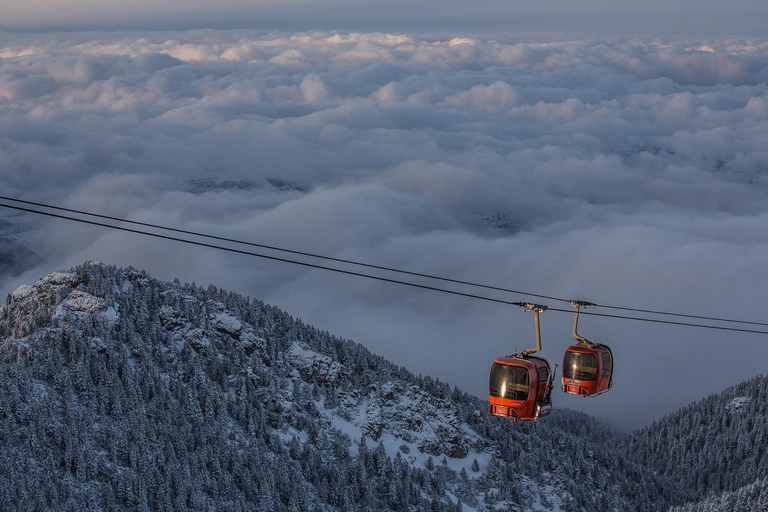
column 49, row 290
column 59, row 291
column 227, row 323
column 313, row 366
column 182, row 329
column 201, row 323
column 737, row 404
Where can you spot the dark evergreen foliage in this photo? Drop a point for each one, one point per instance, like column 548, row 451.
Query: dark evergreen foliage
column 119, row 392
column 715, row 445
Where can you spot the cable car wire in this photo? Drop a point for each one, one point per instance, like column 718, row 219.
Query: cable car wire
column 359, row 274
column 654, row 312
column 377, row 267
column 290, row 251
column 265, row 256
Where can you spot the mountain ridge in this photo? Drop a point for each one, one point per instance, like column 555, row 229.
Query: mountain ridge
column 118, row 391
column 716, row 447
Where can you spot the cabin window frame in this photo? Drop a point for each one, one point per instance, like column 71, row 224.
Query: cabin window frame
column 576, row 375
column 513, row 386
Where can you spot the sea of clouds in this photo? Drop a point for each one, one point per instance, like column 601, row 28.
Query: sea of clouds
column 622, row 171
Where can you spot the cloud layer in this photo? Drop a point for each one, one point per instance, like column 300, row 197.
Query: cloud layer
column 628, row 171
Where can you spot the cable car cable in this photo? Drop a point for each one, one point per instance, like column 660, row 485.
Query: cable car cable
column 290, row 251
column 360, row 274
column 265, row 256
column 654, row 312
column 377, row 267
column 658, row 321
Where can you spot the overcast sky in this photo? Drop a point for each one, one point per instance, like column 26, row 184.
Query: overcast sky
column 674, row 17
column 620, row 170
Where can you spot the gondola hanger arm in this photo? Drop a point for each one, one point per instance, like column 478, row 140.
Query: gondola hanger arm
column 536, row 308
column 578, row 304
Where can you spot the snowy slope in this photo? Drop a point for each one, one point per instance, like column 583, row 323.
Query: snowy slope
column 752, row 497
column 118, row 391
column 716, row 445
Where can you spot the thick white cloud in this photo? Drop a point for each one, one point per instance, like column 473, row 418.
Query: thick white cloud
column 629, row 171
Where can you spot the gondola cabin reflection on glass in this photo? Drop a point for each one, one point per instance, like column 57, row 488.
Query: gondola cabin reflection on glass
column 520, row 385
column 587, row 366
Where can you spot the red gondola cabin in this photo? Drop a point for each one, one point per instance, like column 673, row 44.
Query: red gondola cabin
column 587, row 366
column 519, row 387
column 587, row 369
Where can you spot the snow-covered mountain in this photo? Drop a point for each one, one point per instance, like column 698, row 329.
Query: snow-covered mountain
column 717, row 448
column 752, row 497
column 120, row 392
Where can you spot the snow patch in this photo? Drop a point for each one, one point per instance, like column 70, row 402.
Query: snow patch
column 227, row 323
column 40, row 389
column 59, row 279
column 111, row 315
column 84, row 304
column 737, row 404
column 22, row 292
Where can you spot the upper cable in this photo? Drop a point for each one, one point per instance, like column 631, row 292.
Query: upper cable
column 365, row 265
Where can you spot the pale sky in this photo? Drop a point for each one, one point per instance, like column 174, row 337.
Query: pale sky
column 678, row 17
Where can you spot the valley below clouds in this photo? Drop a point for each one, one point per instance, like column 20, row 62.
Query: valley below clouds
column 628, row 171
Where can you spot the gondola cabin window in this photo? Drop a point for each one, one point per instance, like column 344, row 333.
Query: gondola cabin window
column 607, row 365
column 509, row 382
column 580, row 366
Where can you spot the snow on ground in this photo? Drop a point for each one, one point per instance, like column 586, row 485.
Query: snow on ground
column 550, row 501
column 737, row 404
column 84, row 304
column 59, row 279
column 22, row 292
column 227, row 323
column 395, row 439
column 464, row 506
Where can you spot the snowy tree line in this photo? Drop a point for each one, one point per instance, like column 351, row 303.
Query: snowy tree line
column 715, row 445
column 751, row 497
column 119, row 392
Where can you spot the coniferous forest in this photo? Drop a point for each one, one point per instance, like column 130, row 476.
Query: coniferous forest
column 121, row 392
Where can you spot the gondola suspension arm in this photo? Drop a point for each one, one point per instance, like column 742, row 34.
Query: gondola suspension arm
column 536, row 308
column 578, row 304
